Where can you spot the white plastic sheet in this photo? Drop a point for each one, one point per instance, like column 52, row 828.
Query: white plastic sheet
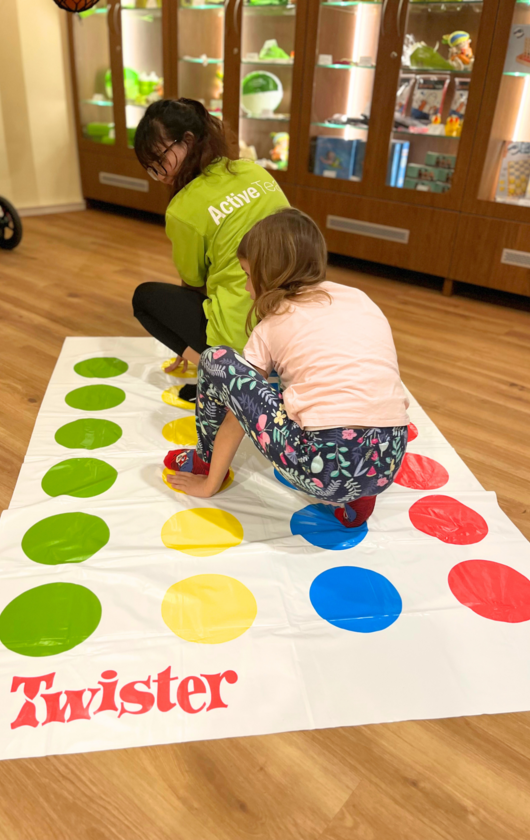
column 283, row 655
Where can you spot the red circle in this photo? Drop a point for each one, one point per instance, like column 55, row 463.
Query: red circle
column 413, row 432
column 421, row 473
column 491, row 590
column 448, row 520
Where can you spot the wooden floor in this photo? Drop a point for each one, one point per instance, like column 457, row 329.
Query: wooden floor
column 468, row 363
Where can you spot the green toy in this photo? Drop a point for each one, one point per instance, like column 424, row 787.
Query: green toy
column 429, row 59
column 271, row 50
column 130, row 81
column 261, row 91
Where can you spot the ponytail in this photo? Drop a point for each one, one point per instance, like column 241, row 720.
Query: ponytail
column 169, row 120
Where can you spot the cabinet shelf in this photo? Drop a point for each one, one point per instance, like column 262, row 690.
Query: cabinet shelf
column 339, row 4
column 451, row 5
column 143, row 13
column 190, row 60
column 340, row 126
column 397, row 132
column 346, row 66
column 275, row 118
column 278, row 62
column 522, row 73
column 434, row 71
column 205, row 7
column 102, row 103
column 268, row 8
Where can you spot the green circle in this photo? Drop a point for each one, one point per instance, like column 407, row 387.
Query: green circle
column 88, row 433
column 79, row 477
column 65, row 538
column 49, row 619
column 95, row 397
column 101, row 367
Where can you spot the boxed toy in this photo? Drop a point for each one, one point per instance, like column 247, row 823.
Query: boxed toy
column 334, row 157
column 460, row 97
column 428, row 98
column 420, row 172
column 514, row 175
column 359, row 149
column 518, row 52
column 445, row 161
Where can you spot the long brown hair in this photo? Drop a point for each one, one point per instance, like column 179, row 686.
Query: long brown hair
column 287, row 257
column 170, row 120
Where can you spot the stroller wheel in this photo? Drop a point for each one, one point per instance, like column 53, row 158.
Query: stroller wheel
column 10, row 225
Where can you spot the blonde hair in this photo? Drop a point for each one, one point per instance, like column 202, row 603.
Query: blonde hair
column 287, row 257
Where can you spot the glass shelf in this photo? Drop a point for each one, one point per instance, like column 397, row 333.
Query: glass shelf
column 451, row 5
column 340, row 126
column 347, row 66
column 522, row 74
column 144, row 13
column 204, row 8
column 270, row 8
column 275, row 118
column 102, row 103
column 434, row 72
column 338, row 4
column 399, row 132
column 205, row 62
column 279, row 62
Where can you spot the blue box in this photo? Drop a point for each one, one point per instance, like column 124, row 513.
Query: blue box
column 359, row 149
column 334, row 157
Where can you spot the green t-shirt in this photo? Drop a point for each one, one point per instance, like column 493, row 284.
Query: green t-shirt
column 205, row 222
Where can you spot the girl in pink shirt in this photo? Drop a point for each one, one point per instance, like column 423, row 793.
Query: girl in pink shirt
column 338, row 430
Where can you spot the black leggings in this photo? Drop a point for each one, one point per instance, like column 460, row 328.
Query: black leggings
column 173, row 314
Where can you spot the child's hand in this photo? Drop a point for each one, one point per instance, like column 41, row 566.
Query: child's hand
column 178, row 361
column 199, row 486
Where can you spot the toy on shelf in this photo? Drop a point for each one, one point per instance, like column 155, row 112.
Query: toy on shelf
column 268, row 2
column 280, row 149
column 460, row 52
column 247, row 152
column 428, row 99
column 428, row 58
column 270, row 51
column 261, row 93
column 130, row 82
column 514, row 176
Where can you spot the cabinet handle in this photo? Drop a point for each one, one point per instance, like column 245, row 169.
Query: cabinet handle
column 383, row 13
column 236, row 11
column 399, row 17
column 115, row 19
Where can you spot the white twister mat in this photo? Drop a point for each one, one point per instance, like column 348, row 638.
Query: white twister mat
column 133, row 615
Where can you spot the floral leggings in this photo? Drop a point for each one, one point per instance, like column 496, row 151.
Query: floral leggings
column 334, row 465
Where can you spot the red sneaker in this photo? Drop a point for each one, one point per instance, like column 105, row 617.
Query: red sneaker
column 357, row 513
column 186, row 460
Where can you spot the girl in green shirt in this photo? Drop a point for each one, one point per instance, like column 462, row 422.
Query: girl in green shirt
column 216, row 200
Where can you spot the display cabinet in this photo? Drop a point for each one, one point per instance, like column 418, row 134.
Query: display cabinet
column 401, row 126
column 495, row 224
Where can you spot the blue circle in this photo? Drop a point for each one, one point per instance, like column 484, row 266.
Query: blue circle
column 355, row 599
column 319, row 526
column 283, row 480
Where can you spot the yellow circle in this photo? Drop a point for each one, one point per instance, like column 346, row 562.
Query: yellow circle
column 209, row 609
column 226, row 483
column 181, row 431
column 202, row 532
column 191, row 372
column 171, row 397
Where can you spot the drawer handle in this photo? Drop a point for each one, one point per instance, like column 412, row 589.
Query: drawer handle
column 520, row 258
column 391, row 234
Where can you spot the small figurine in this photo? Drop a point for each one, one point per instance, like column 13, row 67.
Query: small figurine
column 280, row 151
column 460, row 52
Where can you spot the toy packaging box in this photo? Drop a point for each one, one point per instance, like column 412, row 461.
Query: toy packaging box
column 428, row 97
column 334, row 157
column 440, row 161
column 514, row 176
column 518, row 52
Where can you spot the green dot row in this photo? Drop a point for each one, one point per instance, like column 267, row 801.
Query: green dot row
column 56, row 617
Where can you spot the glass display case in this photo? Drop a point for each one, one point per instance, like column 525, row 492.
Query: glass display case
column 141, row 36
column 440, row 41
column 267, row 61
column 506, row 173
column 94, row 78
column 200, row 40
column 343, row 83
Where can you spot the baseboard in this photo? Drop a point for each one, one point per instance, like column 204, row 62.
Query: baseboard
column 53, row 208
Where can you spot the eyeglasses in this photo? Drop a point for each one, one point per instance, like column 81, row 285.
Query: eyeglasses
column 157, row 170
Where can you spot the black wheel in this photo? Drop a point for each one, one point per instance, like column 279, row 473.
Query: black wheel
column 10, row 226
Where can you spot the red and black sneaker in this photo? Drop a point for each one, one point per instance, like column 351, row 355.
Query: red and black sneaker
column 186, row 460
column 354, row 514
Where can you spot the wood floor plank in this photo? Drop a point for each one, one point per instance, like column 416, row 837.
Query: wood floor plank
column 467, row 361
